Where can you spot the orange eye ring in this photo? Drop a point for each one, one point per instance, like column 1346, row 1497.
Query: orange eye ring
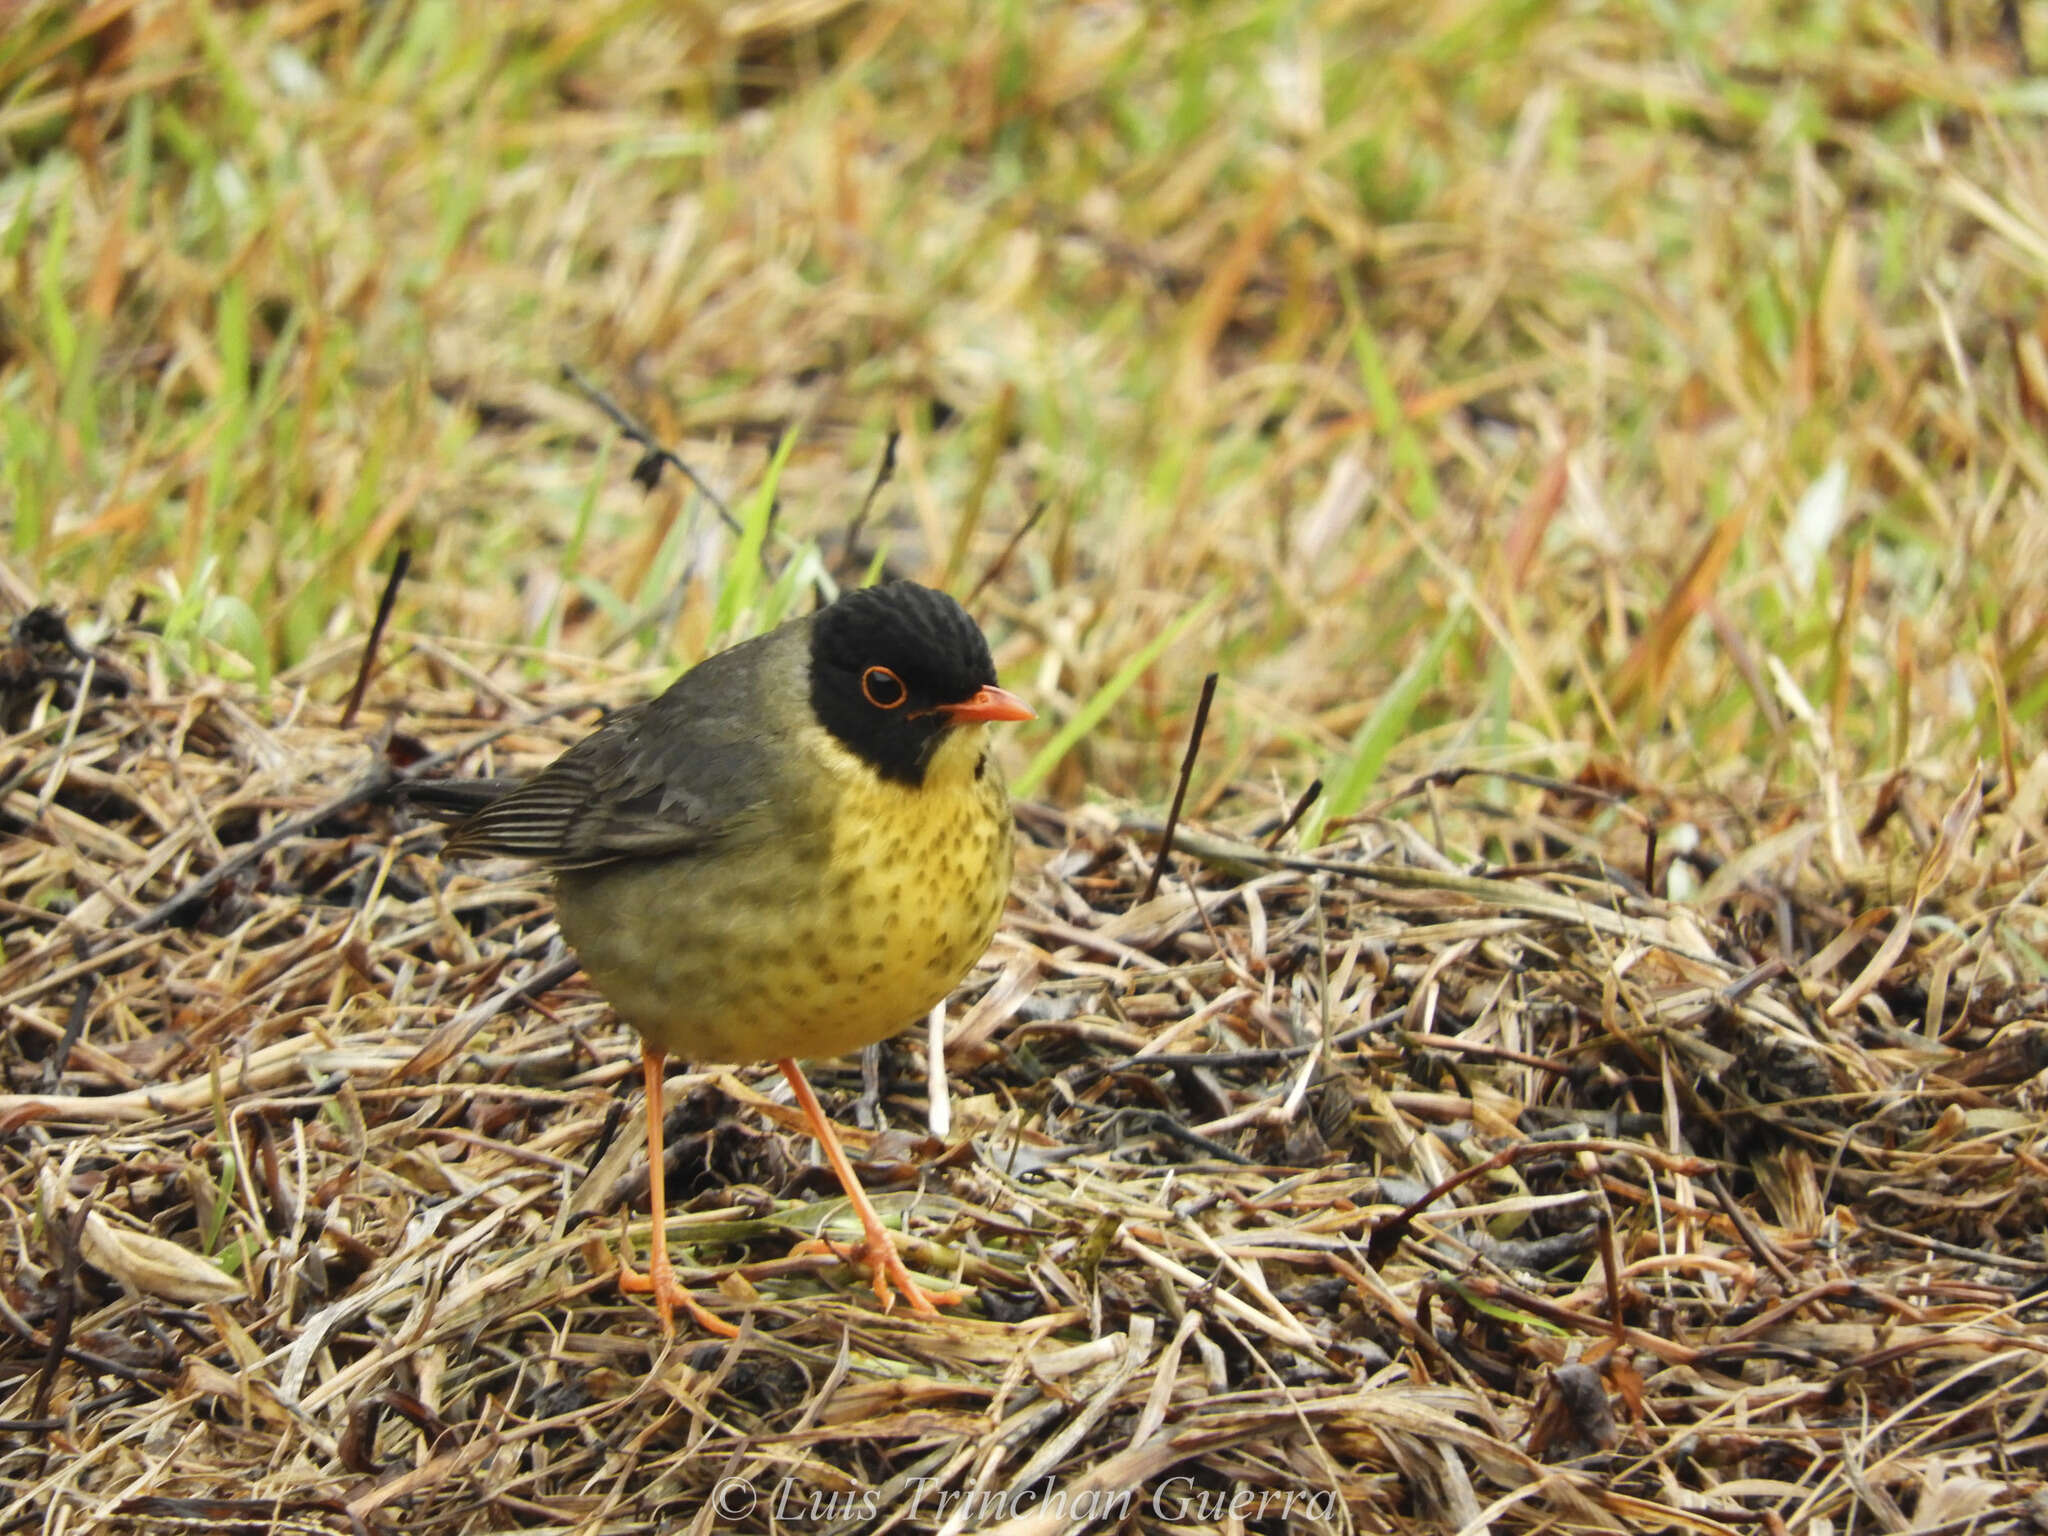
column 883, row 688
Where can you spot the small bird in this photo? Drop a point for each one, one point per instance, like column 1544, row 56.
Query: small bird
column 796, row 850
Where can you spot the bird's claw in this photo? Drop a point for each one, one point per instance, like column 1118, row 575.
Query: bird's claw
column 660, row 1283
column 891, row 1276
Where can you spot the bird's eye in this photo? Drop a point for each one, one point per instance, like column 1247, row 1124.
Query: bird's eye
column 884, row 689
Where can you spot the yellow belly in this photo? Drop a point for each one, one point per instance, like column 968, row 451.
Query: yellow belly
column 841, row 925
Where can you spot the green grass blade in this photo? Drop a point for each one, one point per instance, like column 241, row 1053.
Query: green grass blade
column 1382, row 729
column 1392, row 417
column 1090, row 714
column 743, row 571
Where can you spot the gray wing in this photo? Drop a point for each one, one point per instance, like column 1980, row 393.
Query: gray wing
column 668, row 777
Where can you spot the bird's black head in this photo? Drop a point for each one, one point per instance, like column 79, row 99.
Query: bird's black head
column 893, row 668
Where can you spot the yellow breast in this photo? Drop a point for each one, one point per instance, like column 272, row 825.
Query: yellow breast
column 848, row 920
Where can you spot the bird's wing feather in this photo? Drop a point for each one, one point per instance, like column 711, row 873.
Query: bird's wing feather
column 450, row 799
column 665, row 778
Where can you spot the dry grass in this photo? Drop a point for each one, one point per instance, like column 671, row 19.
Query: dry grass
column 1604, row 443
column 1426, row 1194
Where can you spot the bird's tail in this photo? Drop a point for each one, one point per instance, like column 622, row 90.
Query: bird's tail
column 449, row 799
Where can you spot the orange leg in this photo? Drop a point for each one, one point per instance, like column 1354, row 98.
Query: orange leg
column 879, row 1248
column 660, row 1279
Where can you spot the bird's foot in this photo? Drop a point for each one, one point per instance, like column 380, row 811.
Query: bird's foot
column 891, row 1274
column 660, row 1283
column 892, row 1277
column 878, row 1248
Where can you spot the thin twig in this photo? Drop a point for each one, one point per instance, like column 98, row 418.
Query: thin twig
column 1162, row 1123
column 1002, row 560
column 1410, row 1040
column 1982, row 1256
column 1180, row 791
column 1449, row 777
column 377, row 781
column 384, row 605
column 372, row 784
column 1309, row 797
column 70, row 1232
column 74, row 1025
column 647, row 473
column 1752, row 1239
column 884, row 473
column 1610, row 1272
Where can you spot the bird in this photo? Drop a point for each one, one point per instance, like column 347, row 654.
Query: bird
column 796, row 850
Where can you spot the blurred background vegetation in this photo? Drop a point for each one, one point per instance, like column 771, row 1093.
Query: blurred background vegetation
column 1651, row 392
